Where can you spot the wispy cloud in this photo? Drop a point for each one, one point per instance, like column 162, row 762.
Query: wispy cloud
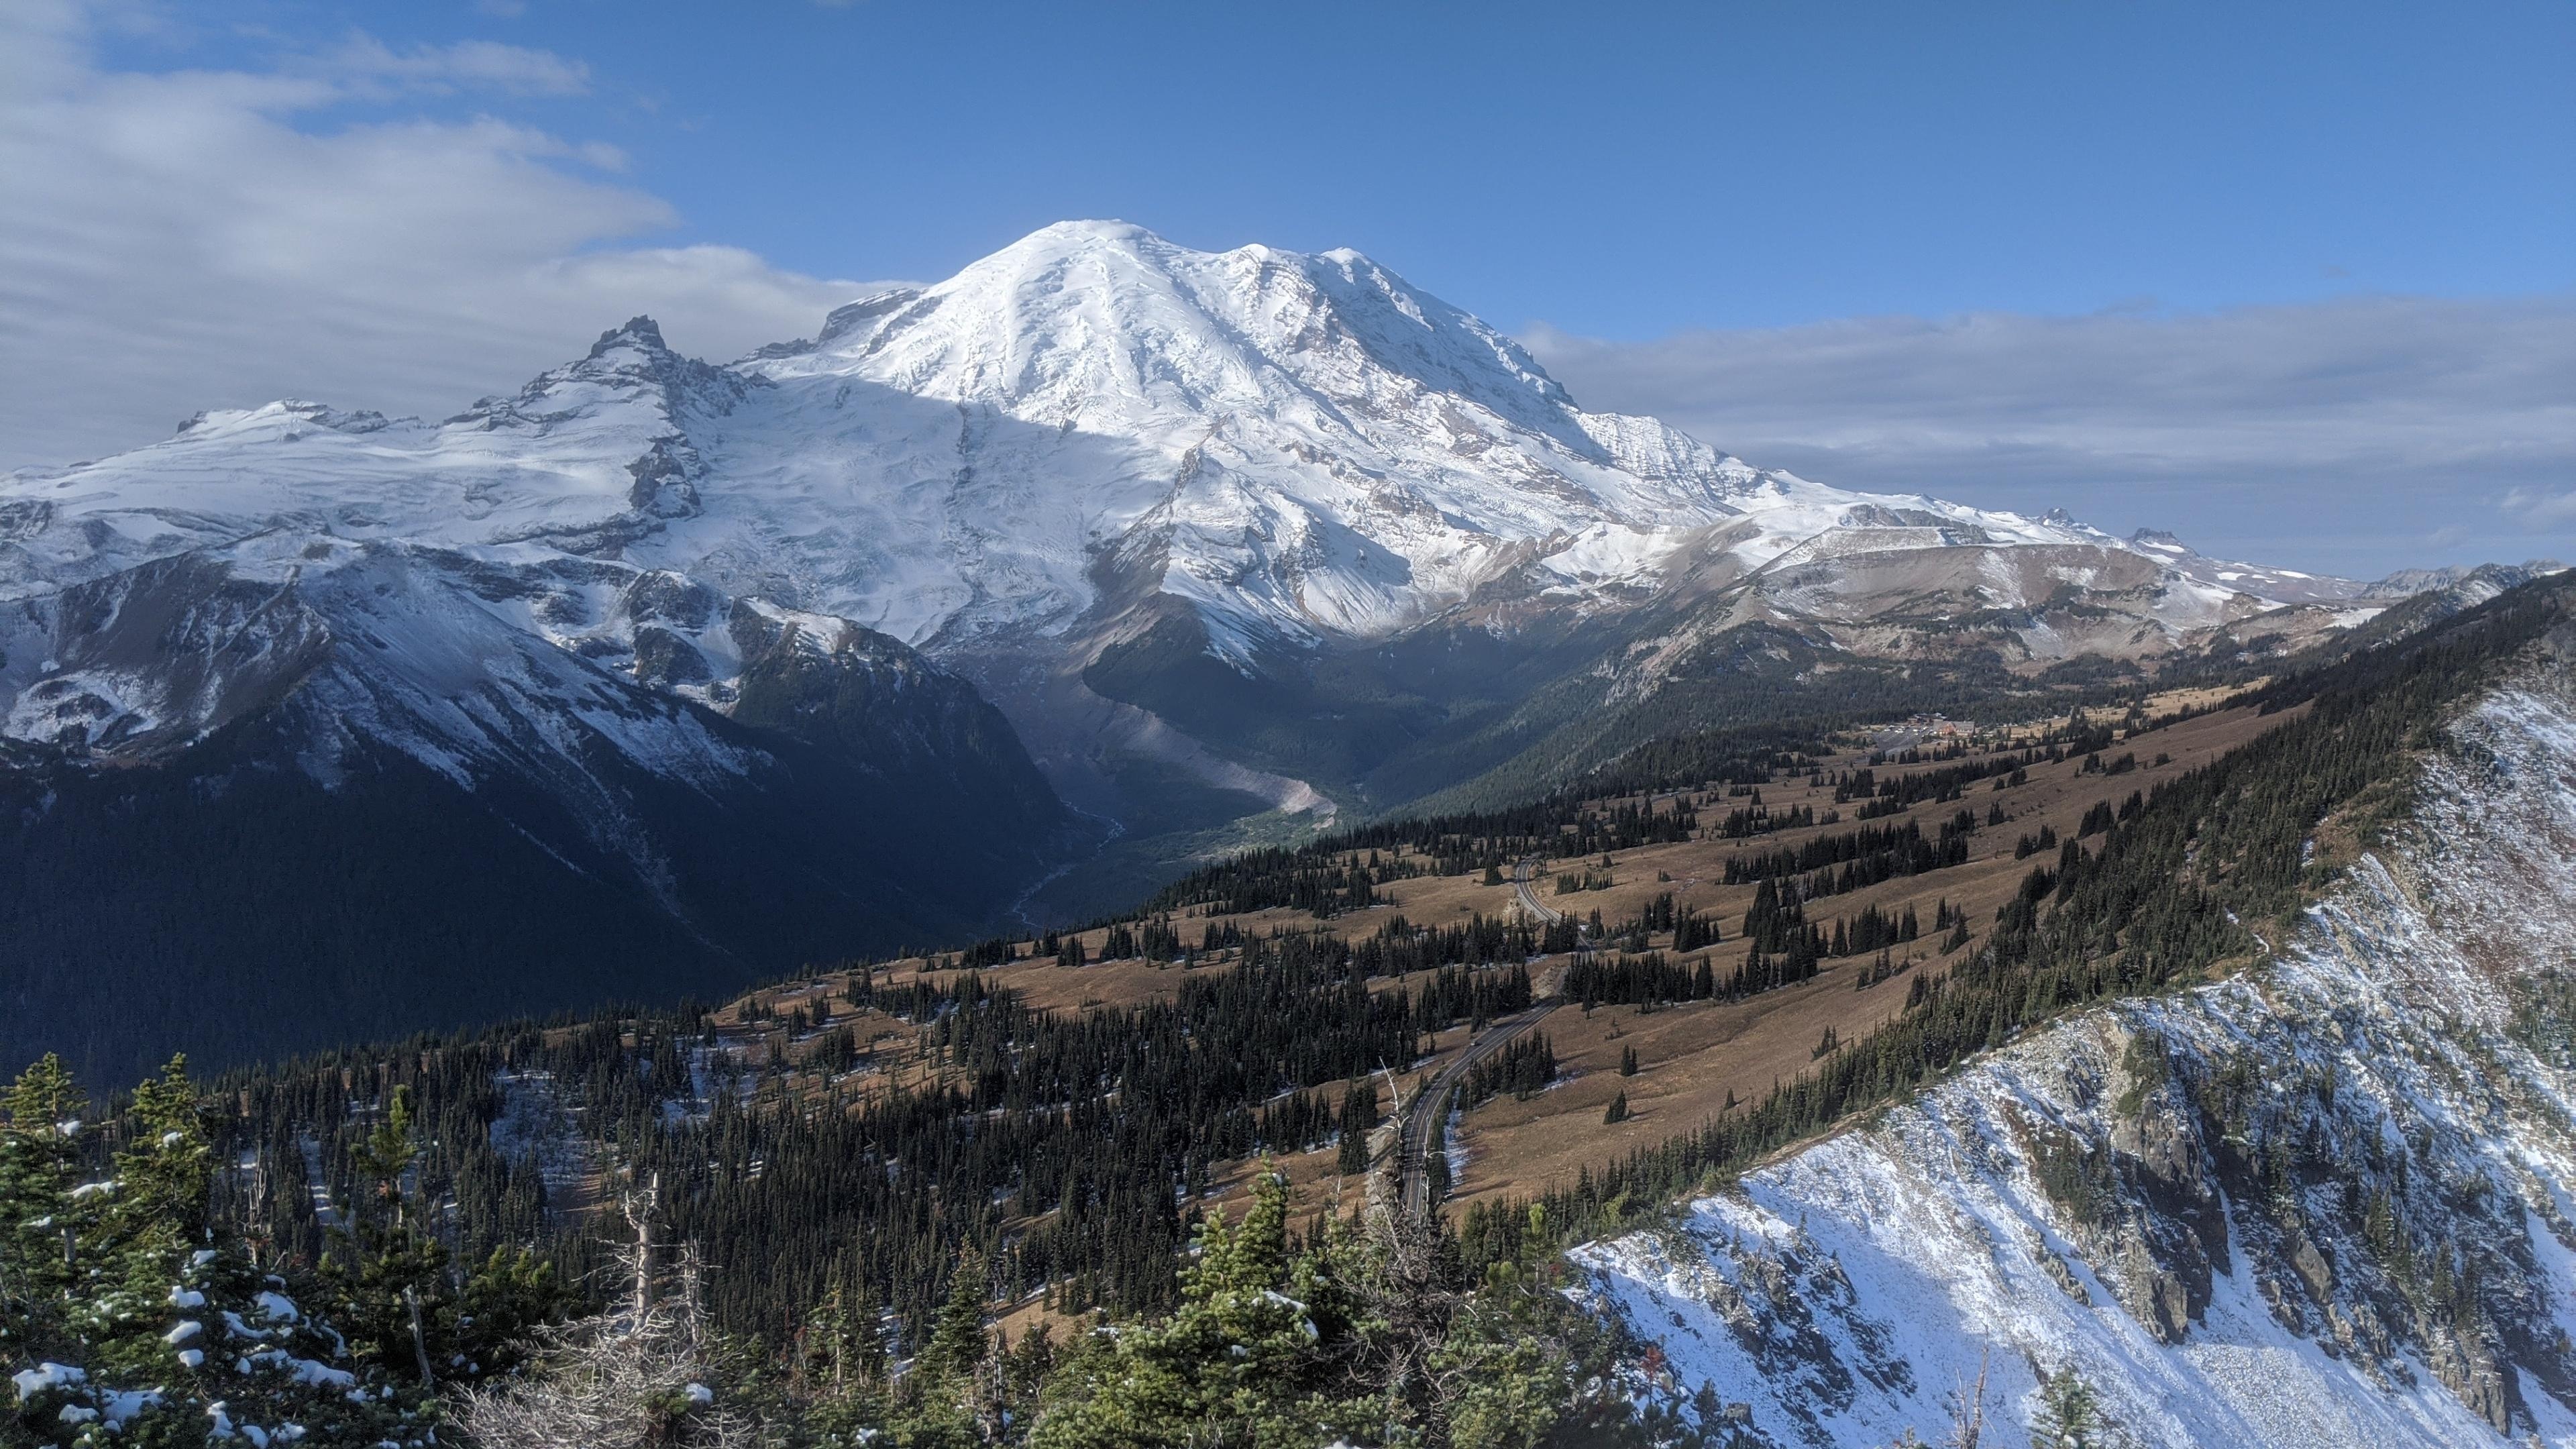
column 2354, row 429
column 2542, row 507
column 466, row 65
column 213, row 238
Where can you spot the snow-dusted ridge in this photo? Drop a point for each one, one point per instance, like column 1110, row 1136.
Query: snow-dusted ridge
column 2399, row 1270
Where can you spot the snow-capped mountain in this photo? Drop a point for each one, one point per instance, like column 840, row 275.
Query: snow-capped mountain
column 2324, row 1202
column 1299, row 446
column 1080, row 470
column 1305, row 445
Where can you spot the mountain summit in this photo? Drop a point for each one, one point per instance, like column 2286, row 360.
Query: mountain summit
column 1299, row 446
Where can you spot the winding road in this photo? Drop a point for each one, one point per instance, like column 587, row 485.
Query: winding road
column 1421, row 1115
column 1524, row 872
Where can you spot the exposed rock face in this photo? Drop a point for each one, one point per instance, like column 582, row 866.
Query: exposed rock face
column 2326, row 1202
column 151, row 658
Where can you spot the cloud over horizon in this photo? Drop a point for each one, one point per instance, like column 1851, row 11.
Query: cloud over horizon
column 2454, row 420
column 218, row 238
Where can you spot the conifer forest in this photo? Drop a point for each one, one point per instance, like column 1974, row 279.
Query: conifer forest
column 911, row 1205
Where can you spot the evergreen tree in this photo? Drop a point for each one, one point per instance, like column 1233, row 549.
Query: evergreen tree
column 1258, row 1354
column 385, row 1272
column 2070, row 1413
column 41, row 1223
column 167, row 1334
column 1359, row 1116
column 957, row 1343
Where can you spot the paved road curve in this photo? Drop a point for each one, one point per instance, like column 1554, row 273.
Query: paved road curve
column 1422, row 1114
column 1413, row 1134
column 1523, row 872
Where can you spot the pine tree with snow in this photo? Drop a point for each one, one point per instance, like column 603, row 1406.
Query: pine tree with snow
column 168, row 1335
column 2070, row 1413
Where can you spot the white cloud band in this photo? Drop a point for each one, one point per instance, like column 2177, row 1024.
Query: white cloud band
column 2249, row 427
column 177, row 241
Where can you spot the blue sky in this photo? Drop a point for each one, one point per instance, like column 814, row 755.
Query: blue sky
column 1618, row 171
column 1860, row 239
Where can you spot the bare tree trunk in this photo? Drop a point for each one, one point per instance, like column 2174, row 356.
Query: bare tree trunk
column 614, row 1382
column 639, row 1214
column 419, row 1340
column 1968, row 1423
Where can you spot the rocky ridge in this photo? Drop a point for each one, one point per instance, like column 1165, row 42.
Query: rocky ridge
column 2327, row 1201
